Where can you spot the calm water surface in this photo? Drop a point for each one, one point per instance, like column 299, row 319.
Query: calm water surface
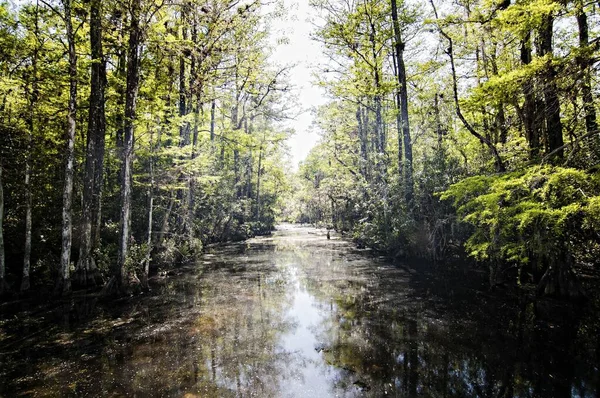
column 298, row 315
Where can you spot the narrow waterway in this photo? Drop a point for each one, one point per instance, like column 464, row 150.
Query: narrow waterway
column 298, row 315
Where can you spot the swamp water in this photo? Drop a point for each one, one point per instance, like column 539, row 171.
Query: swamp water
column 297, row 315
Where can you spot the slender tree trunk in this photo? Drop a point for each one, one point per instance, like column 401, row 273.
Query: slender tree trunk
column 530, row 111
column 379, row 138
column 193, row 107
column 25, row 281
column 362, row 134
column 591, row 123
column 398, row 100
column 236, row 152
column 213, row 106
column 438, row 122
column 144, row 278
column 184, row 129
column 249, row 163
column 63, row 284
column 378, row 133
column 33, row 97
column 399, row 47
column 133, row 65
column 501, row 124
column 259, row 175
column 86, row 271
column 100, row 81
column 3, row 285
column 554, row 131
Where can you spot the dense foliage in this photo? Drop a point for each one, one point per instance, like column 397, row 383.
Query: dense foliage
column 145, row 129
column 487, row 106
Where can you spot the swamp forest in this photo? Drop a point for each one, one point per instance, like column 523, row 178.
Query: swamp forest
column 158, row 237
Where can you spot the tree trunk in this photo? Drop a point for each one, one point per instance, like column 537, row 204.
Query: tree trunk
column 213, row 106
column 63, row 284
column 100, row 81
column 554, row 133
column 591, row 123
column 438, row 123
column 362, row 135
column 184, row 129
column 530, row 111
column 408, row 157
column 501, row 124
column 144, row 278
column 133, row 65
column 193, row 107
column 398, row 101
column 259, row 175
column 86, row 273
column 33, row 97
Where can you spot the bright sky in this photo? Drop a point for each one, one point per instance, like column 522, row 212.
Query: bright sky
column 306, row 54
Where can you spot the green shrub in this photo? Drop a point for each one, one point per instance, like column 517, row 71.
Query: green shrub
column 540, row 220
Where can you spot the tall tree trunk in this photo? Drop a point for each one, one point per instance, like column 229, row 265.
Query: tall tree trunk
column 3, row 285
column 438, row 122
column 63, row 284
column 259, row 175
column 398, row 101
column 591, row 123
column 193, row 107
column 213, row 106
column 184, row 126
column 399, row 47
column 530, row 112
column 33, row 97
column 236, row 152
column 184, row 129
column 249, row 164
column 378, row 134
column 133, row 66
column 144, row 278
column 554, row 131
column 86, row 272
column 363, row 138
column 100, row 81
column 501, row 124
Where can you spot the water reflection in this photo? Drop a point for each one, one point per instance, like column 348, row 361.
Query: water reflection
column 297, row 315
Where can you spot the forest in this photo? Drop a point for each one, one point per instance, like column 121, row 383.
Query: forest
column 132, row 134
column 135, row 133
column 160, row 236
column 462, row 128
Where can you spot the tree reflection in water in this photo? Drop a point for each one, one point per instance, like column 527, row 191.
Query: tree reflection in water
column 299, row 315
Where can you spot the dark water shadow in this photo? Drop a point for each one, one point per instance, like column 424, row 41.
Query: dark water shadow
column 294, row 315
